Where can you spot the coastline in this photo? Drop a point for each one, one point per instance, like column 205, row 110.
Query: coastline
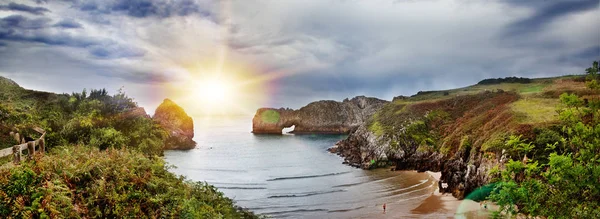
column 440, row 205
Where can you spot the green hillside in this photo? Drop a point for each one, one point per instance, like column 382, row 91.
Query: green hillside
column 103, row 161
column 536, row 140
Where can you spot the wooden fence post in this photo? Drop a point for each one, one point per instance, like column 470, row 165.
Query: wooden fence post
column 42, row 144
column 30, row 149
column 16, row 154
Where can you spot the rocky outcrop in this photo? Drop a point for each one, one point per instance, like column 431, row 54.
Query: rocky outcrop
column 463, row 163
column 135, row 112
column 323, row 117
column 179, row 125
column 459, row 176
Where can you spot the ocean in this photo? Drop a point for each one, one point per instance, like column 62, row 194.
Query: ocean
column 293, row 176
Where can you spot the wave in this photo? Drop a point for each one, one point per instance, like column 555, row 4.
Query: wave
column 346, row 210
column 215, row 170
column 396, row 191
column 349, row 184
column 296, row 211
column 305, row 177
column 249, row 188
column 396, row 194
column 293, row 195
column 237, row 184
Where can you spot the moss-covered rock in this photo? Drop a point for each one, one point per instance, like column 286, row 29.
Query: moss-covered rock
column 177, row 122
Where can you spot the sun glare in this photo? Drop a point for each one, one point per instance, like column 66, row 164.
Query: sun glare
column 214, row 92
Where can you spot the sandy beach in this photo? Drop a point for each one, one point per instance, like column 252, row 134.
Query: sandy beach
column 439, row 205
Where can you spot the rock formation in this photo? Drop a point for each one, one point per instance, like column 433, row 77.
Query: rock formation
column 464, row 166
column 323, row 117
column 179, row 125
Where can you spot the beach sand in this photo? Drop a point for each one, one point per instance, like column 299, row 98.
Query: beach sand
column 439, row 205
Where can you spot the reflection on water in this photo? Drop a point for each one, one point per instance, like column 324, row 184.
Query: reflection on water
column 293, row 175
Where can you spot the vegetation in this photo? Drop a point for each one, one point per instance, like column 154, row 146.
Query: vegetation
column 557, row 173
column 103, row 162
column 83, row 182
column 96, row 119
column 505, row 80
column 539, row 139
column 534, row 110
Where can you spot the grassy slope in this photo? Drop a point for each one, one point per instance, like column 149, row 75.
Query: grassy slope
column 538, row 99
column 479, row 113
column 17, row 100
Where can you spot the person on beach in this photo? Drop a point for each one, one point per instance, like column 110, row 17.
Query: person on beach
column 384, row 208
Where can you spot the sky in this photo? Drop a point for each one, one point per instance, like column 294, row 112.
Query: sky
column 285, row 53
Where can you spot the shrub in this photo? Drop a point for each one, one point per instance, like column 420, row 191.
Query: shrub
column 104, row 138
column 83, row 182
column 505, row 80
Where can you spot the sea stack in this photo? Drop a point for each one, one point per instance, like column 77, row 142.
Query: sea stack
column 321, row 117
column 179, row 125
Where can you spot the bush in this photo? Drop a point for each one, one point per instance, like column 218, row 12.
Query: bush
column 505, row 80
column 104, row 138
column 83, row 182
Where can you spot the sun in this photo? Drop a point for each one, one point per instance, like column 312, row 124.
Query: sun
column 214, row 91
column 214, row 95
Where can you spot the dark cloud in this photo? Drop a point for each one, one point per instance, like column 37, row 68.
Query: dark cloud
column 69, row 24
column 582, row 57
column 546, row 12
column 24, row 8
column 21, row 22
column 21, row 29
column 145, row 8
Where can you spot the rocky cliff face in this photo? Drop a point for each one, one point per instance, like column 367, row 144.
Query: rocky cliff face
column 445, row 136
column 180, row 126
column 325, row 117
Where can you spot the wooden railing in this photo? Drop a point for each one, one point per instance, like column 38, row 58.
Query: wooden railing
column 17, row 150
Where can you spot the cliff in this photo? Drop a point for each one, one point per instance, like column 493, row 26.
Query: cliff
column 179, row 125
column 324, row 117
column 445, row 136
column 461, row 133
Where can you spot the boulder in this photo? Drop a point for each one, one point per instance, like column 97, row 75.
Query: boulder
column 179, row 125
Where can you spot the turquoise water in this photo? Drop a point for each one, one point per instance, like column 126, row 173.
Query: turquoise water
column 292, row 176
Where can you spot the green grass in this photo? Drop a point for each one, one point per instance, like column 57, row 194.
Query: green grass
column 533, row 89
column 535, row 110
column 536, row 86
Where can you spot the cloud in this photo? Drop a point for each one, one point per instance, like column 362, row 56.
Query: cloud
column 548, row 13
column 21, row 22
column 310, row 49
column 581, row 57
column 69, row 24
column 24, row 8
column 144, row 8
column 115, row 51
column 22, row 29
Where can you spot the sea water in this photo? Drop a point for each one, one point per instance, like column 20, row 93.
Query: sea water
column 293, row 176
